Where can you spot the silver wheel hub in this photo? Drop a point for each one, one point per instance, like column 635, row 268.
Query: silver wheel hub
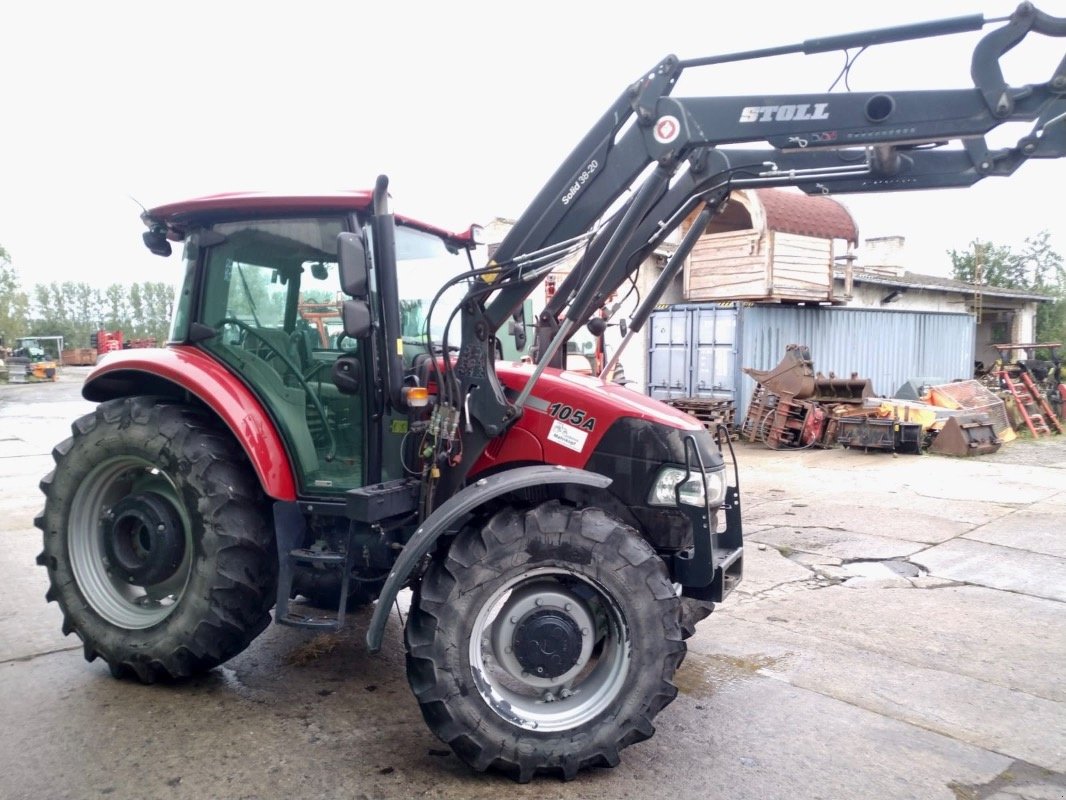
column 129, row 542
column 550, row 650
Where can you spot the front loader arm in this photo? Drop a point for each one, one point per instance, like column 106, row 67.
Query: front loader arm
column 675, row 153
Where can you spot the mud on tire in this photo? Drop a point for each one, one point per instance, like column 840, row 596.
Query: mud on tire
column 544, row 642
column 157, row 546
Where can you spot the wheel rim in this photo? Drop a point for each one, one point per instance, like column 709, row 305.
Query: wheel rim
column 129, row 542
column 550, row 650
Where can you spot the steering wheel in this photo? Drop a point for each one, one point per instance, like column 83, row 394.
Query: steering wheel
column 248, row 330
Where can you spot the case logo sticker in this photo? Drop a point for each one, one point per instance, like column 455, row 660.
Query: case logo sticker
column 568, row 436
column 666, row 129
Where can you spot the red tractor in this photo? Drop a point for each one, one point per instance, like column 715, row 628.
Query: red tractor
column 561, row 534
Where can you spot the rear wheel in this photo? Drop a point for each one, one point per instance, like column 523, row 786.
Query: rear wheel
column 545, row 641
column 155, row 539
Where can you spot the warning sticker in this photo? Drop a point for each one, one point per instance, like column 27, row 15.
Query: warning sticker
column 568, row 436
column 666, row 129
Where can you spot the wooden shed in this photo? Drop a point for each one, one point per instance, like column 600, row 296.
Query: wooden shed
column 773, row 245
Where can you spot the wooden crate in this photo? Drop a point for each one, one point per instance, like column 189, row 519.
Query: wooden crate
column 80, row 357
column 760, row 266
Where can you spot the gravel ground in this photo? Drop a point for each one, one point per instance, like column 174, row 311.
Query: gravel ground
column 1047, row 451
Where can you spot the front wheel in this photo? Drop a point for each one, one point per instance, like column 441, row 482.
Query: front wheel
column 155, row 539
column 546, row 641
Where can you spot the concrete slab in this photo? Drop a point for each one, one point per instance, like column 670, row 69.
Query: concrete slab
column 346, row 726
column 998, row 567
column 1035, row 530
column 840, row 544
column 1005, row 639
column 41, row 423
column 767, row 570
column 29, row 626
column 822, row 473
column 932, row 519
column 793, row 688
column 20, row 497
column 903, row 523
column 970, row 710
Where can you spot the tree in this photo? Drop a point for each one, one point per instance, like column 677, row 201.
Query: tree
column 157, row 298
column 1048, row 275
column 1036, row 267
column 115, row 310
column 988, row 264
column 14, row 303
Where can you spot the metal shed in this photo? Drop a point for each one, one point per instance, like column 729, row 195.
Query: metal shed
column 700, row 350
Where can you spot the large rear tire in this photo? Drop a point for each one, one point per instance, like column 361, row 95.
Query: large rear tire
column 158, row 548
column 545, row 641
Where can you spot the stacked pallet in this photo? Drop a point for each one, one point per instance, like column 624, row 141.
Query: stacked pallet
column 711, row 411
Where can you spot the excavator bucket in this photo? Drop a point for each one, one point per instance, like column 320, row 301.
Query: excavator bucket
column 795, row 376
column 966, row 436
column 842, row 390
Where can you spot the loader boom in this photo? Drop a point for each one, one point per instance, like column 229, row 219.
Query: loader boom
column 822, row 143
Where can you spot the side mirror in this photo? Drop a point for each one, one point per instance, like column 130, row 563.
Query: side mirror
column 351, row 253
column 517, row 329
column 156, row 241
column 356, row 317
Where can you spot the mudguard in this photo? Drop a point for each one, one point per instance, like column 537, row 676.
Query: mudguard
column 161, row 370
column 453, row 510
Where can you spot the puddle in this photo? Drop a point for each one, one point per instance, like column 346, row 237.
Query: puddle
column 703, row 676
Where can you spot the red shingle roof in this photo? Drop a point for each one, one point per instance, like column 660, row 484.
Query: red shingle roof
column 807, row 215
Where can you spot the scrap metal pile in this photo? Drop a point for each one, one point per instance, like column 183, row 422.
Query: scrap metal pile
column 793, row 406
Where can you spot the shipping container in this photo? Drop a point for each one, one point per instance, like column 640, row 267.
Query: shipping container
column 700, row 350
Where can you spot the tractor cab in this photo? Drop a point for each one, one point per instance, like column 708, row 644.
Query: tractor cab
column 262, row 295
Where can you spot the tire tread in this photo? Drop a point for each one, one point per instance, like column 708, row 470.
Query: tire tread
column 235, row 607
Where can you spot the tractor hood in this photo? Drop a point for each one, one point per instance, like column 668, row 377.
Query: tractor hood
column 569, row 419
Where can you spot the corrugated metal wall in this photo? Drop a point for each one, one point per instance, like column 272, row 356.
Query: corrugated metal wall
column 886, row 346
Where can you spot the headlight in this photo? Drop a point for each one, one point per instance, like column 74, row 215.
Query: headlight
column 691, row 490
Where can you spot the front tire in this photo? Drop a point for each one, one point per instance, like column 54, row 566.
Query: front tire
column 157, row 546
column 545, row 641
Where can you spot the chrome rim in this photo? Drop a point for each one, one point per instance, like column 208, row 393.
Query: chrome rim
column 550, row 650
column 126, row 516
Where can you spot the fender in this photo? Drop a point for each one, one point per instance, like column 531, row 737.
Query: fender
column 159, row 371
column 454, row 509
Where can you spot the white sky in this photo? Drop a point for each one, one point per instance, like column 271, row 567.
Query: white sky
column 467, row 106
